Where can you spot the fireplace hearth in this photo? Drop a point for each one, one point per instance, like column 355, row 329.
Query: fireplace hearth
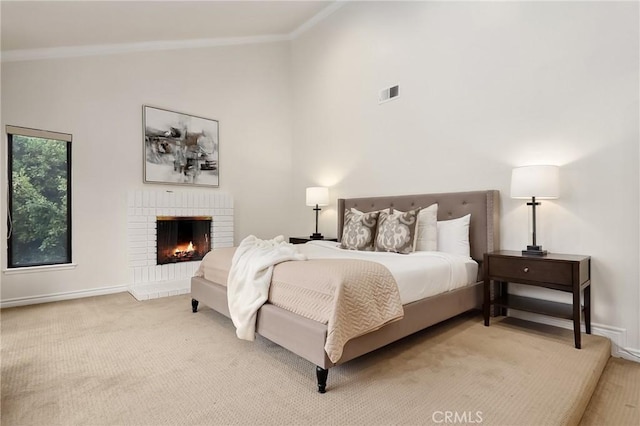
column 182, row 239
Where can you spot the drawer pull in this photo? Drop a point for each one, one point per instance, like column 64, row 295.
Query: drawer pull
column 526, row 269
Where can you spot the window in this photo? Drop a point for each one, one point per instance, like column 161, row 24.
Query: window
column 39, row 205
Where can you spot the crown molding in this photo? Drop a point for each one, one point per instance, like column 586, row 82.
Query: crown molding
column 123, row 48
column 113, row 49
column 324, row 13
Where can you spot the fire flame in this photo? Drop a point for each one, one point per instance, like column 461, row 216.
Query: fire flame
column 180, row 251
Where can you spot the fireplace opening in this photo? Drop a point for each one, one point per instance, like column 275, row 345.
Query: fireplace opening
column 182, row 239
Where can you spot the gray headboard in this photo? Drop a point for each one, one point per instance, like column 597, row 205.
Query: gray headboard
column 483, row 205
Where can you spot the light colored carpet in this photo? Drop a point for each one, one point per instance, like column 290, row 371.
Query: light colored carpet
column 113, row 360
column 616, row 400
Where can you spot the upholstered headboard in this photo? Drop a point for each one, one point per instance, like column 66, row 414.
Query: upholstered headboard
column 484, row 227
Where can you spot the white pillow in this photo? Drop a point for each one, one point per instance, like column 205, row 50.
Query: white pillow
column 453, row 236
column 427, row 230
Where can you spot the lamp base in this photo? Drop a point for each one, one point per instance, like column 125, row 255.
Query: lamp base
column 534, row 251
column 316, row 236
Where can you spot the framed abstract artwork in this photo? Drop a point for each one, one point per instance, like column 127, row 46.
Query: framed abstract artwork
column 180, row 149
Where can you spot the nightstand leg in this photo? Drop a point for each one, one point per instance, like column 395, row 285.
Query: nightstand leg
column 486, row 306
column 504, row 291
column 587, row 309
column 576, row 317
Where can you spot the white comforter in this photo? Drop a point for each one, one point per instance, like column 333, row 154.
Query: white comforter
column 418, row 274
column 250, row 277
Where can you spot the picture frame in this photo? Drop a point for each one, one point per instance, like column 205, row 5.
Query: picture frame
column 179, row 148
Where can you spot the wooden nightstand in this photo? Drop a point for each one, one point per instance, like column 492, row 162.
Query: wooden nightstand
column 562, row 272
column 302, row 240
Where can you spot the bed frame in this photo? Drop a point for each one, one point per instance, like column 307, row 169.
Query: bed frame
column 306, row 337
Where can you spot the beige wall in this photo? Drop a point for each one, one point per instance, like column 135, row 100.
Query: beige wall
column 99, row 101
column 484, row 87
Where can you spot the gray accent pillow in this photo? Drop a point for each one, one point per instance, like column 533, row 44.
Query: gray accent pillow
column 396, row 231
column 359, row 230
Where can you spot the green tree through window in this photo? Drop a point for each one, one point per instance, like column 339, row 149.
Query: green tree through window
column 39, row 201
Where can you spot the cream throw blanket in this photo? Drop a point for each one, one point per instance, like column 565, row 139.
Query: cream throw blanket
column 250, row 277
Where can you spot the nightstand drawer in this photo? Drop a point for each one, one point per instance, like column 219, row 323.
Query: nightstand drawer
column 531, row 270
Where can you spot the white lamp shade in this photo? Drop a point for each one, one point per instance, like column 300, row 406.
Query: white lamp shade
column 535, row 181
column 317, row 195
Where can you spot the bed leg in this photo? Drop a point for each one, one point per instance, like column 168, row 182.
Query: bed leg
column 194, row 305
column 321, row 374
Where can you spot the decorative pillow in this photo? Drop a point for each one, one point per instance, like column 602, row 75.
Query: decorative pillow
column 359, row 230
column 426, row 238
column 396, row 231
column 453, row 236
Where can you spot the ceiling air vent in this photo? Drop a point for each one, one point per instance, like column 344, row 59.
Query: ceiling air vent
column 388, row 94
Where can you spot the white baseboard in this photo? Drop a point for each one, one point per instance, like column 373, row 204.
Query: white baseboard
column 56, row 297
column 618, row 336
column 140, row 292
column 630, row 354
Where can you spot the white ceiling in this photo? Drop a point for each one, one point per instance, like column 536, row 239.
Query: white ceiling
column 29, row 25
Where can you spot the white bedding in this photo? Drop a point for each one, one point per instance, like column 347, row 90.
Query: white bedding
column 419, row 274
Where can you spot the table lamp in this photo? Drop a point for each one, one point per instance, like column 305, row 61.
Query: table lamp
column 317, row 196
column 533, row 182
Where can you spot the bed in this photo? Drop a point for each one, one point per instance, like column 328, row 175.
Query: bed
column 307, row 338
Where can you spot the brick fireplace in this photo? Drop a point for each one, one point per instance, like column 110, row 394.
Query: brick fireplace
column 148, row 279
